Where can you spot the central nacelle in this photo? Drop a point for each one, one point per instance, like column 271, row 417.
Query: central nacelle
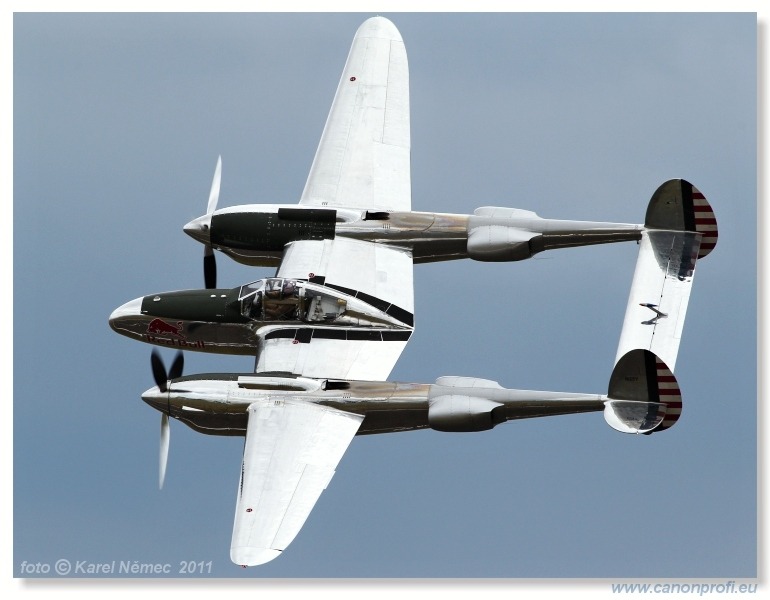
column 233, row 321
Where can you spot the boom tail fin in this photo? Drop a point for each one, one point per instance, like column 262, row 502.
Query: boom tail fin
column 680, row 228
column 643, row 395
column 678, row 205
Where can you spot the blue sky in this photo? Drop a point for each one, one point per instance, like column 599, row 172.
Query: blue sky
column 118, row 121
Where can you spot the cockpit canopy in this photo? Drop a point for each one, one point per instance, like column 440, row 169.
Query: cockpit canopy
column 273, row 299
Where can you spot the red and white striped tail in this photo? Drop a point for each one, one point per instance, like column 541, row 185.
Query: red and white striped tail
column 705, row 222
column 643, row 395
column 677, row 205
column 669, row 394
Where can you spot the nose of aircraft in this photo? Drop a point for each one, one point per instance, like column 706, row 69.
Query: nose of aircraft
column 199, row 229
column 129, row 309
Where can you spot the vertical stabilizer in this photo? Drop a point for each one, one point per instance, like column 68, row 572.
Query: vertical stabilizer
column 643, row 394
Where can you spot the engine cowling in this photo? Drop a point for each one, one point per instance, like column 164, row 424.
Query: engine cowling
column 499, row 243
column 459, row 413
column 270, row 230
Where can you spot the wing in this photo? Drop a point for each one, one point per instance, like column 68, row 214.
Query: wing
column 292, row 449
column 331, row 353
column 362, row 160
column 378, row 274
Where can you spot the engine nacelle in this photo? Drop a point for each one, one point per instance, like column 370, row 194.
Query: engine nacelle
column 499, row 243
column 270, row 230
column 458, row 412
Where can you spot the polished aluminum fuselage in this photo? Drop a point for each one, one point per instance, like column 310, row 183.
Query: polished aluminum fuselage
column 217, row 404
column 431, row 237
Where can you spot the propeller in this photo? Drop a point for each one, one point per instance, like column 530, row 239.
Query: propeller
column 209, row 262
column 159, row 370
column 162, row 378
column 165, row 439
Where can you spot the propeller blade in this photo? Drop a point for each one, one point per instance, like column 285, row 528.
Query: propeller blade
column 177, row 366
column 158, row 371
column 165, row 436
column 162, row 377
column 209, row 268
column 209, row 262
column 214, row 193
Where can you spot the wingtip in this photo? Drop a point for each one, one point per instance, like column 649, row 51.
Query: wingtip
column 248, row 556
column 379, row 27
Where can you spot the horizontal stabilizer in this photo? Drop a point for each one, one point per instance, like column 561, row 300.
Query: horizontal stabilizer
column 660, row 293
column 643, row 394
column 679, row 228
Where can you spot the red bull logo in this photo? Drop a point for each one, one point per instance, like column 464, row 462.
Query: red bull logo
column 159, row 327
column 161, row 333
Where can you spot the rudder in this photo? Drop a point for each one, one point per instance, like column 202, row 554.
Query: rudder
column 677, row 205
column 643, row 394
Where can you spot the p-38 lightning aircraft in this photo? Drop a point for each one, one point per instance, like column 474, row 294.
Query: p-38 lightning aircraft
column 329, row 326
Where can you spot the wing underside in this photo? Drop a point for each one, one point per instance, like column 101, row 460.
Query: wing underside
column 362, row 160
column 377, row 274
column 331, row 353
column 291, row 452
column 380, row 273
